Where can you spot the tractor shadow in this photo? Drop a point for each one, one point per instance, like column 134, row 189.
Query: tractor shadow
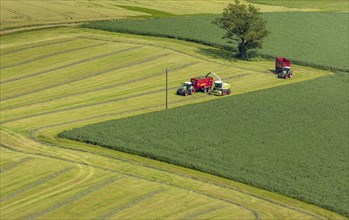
column 272, row 71
column 218, row 54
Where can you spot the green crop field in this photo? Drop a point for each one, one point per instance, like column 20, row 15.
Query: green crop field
column 311, row 47
column 63, row 78
column 266, row 138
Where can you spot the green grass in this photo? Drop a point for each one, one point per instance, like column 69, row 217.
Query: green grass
column 150, row 12
column 299, row 36
column 324, row 5
column 42, row 98
column 292, row 140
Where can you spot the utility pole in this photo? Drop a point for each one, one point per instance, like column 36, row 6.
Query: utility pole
column 166, row 88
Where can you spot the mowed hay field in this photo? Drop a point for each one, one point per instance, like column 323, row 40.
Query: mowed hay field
column 58, row 79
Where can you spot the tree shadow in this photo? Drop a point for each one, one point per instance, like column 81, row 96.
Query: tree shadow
column 218, row 53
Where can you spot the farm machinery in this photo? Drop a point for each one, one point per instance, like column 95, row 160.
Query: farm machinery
column 283, row 67
column 205, row 84
column 186, row 89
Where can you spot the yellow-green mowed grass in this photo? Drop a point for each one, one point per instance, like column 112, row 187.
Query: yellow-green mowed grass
column 45, row 177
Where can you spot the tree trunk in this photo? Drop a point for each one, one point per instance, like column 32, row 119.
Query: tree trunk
column 242, row 50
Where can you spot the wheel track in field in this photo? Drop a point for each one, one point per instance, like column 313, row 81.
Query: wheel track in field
column 65, row 15
column 70, row 64
column 117, row 85
column 35, row 184
column 145, row 197
column 89, row 76
column 15, row 164
column 50, row 55
column 254, row 213
column 201, row 213
column 38, row 46
column 78, row 179
column 72, row 199
column 27, row 17
column 61, row 187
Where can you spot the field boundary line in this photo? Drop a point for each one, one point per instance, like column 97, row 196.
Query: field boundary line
column 15, row 164
column 35, row 184
column 89, row 76
column 50, row 55
column 33, row 27
column 72, row 199
column 130, row 204
column 71, row 64
column 38, row 46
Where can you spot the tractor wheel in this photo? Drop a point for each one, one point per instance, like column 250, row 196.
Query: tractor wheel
column 223, row 93
column 285, row 77
column 228, row 92
column 185, row 93
column 192, row 92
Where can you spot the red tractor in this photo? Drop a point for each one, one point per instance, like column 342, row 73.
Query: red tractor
column 283, row 67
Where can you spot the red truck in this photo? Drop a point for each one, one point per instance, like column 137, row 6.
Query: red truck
column 283, row 67
column 203, row 83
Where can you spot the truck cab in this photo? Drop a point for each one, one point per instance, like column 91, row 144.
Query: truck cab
column 285, row 73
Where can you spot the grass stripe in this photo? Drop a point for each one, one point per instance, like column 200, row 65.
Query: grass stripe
column 50, row 55
column 130, row 204
column 72, row 199
column 100, row 102
column 90, row 76
column 13, row 165
column 71, row 64
column 37, row 46
column 43, row 212
column 201, row 213
column 38, row 183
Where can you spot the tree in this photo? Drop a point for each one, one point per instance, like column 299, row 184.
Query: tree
column 243, row 23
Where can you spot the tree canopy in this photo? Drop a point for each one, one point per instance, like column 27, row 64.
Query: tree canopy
column 244, row 24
